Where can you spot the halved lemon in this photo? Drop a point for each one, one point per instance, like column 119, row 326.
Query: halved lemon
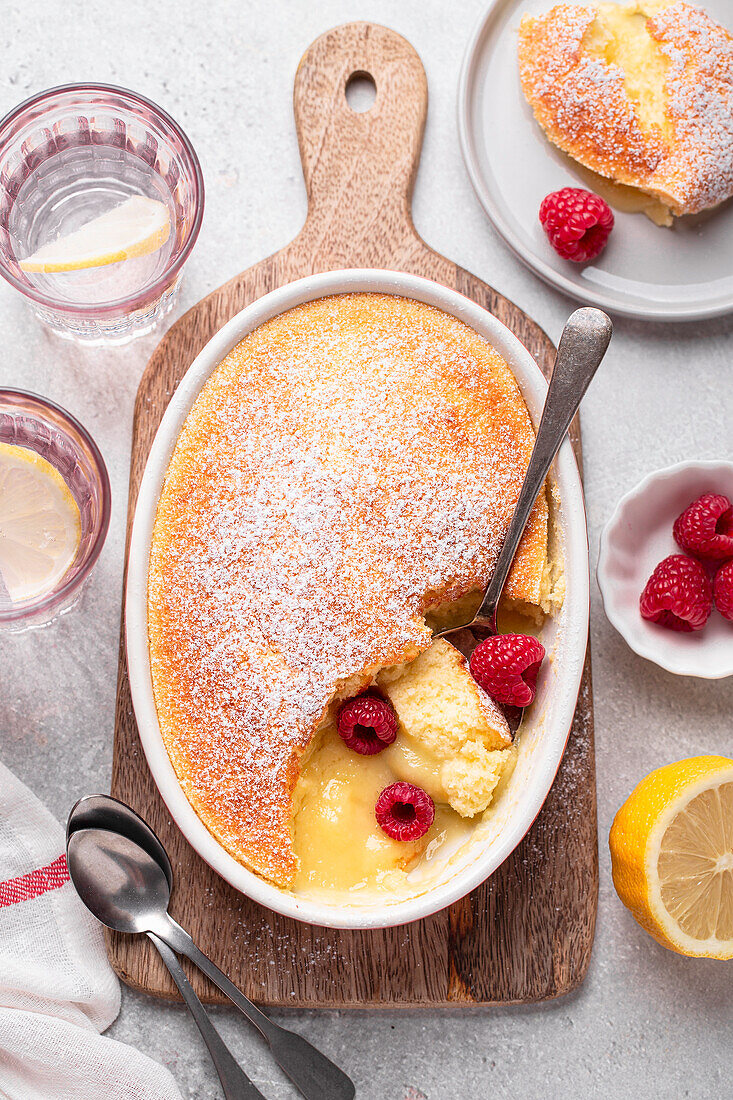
column 136, row 227
column 40, row 524
column 672, row 855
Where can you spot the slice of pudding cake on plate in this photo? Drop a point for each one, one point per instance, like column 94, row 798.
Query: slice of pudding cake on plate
column 640, row 93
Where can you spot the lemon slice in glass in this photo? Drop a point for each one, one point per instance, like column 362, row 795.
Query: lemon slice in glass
column 672, row 855
column 40, row 524
column 137, row 227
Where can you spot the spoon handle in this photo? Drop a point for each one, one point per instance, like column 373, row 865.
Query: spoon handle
column 234, row 1081
column 315, row 1075
column 582, row 346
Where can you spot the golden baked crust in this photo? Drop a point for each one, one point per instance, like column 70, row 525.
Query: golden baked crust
column 642, row 95
column 348, row 463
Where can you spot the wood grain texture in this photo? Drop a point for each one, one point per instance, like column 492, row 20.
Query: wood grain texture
column 525, row 934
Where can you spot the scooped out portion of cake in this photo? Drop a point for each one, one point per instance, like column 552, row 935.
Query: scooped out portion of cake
column 339, row 845
column 452, row 742
column 640, row 93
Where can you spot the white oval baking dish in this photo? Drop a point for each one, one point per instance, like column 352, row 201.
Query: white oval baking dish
column 546, row 726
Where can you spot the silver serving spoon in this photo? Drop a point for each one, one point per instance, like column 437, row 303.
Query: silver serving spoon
column 127, row 889
column 582, row 346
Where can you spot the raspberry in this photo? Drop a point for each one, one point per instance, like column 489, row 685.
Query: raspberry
column 577, row 223
column 705, row 529
column 506, row 667
column 404, row 812
column 723, row 591
column 367, row 724
column 678, row 594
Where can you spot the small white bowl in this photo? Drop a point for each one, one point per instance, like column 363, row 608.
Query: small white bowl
column 547, row 725
column 635, row 539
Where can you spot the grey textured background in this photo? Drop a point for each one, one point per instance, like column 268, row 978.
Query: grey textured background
column 646, row 1023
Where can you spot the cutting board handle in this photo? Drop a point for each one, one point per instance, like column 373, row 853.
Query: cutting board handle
column 359, row 168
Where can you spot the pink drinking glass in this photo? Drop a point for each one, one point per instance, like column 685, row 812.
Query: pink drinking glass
column 69, row 154
column 27, row 420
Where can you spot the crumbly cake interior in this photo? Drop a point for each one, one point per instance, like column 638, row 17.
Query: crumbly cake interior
column 641, row 94
column 452, row 735
column 350, row 465
column 453, row 742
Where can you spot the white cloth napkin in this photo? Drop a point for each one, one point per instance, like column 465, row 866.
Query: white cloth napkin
column 57, row 989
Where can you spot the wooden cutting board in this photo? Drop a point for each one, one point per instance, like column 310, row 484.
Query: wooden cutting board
column 526, row 934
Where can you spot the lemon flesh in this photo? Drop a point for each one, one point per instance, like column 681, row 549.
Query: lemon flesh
column 137, row 227
column 695, row 866
column 40, row 524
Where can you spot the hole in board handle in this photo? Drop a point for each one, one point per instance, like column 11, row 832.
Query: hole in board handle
column 361, row 91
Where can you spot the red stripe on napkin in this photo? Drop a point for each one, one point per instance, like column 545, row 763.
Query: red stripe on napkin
column 34, row 883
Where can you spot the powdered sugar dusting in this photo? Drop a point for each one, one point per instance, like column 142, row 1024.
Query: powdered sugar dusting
column 346, row 463
column 700, row 102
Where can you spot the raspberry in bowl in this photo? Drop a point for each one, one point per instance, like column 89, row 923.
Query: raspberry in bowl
column 678, row 595
column 658, row 565
column 705, row 529
column 723, row 591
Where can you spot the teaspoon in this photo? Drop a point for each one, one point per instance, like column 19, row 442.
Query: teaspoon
column 101, row 811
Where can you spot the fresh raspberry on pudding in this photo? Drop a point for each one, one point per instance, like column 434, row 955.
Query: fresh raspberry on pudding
column 678, row 594
column 705, row 529
column 506, row 667
column 723, row 591
column 577, row 223
column 367, row 724
column 404, row 811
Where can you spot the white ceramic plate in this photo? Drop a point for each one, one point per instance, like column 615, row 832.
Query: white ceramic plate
column 635, row 539
column 661, row 274
column 545, row 731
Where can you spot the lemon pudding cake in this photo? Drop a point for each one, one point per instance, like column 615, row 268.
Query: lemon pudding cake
column 641, row 94
column 349, row 468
